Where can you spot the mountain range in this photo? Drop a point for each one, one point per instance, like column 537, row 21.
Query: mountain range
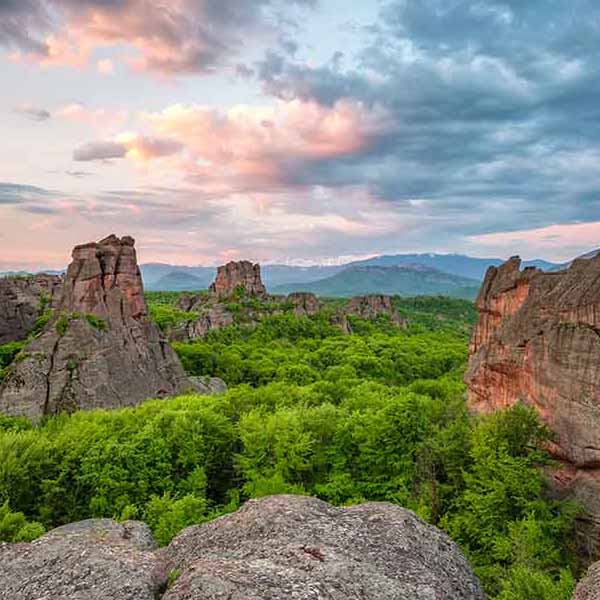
column 403, row 274
column 431, row 273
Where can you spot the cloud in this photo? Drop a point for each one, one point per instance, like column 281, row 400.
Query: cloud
column 33, row 112
column 14, row 193
column 182, row 36
column 103, row 150
column 105, row 66
column 133, row 146
column 246, row 147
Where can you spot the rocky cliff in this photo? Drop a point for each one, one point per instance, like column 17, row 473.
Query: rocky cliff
column 277, row 548
column 238, row 276
column 538, row 341
column 23, row 300
column 100, row 350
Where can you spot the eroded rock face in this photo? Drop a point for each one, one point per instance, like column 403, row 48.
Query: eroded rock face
column 234, row 276
column 538, row 341
column 305, row 303
column 370, row 308
column 101, row 350
column 292, row 547
column 23, row 300
column 90, row 560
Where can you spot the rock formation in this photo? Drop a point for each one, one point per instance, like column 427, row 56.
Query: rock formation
column 276, row 548
column 100, row 350
column 23, row 300
column 305, row 304
column 234, row 276
column 538, row 341
column 369, row 308
column 90, row 560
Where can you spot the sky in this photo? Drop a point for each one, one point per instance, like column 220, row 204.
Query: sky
column 299, row 131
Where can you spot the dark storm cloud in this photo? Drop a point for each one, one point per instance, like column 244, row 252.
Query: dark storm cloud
column 494, row 108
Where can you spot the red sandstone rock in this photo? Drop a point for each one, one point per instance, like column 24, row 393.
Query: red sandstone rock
column 538, row 341
column 101, row 350
column 234, row 276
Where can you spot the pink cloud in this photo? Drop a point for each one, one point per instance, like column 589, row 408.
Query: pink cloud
column 179, row 36
column 265, row 145
column 559, row 242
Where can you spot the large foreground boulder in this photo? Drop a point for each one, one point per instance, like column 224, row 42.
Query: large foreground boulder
column 101, row 350
column 91, row 560
column 277, row 548
column 538, row 342
column 300, row 548
column 23, row 300
column 589, row 587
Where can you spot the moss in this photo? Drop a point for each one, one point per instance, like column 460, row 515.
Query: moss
column 172, row 577
column 62, row 324
column 96, row 322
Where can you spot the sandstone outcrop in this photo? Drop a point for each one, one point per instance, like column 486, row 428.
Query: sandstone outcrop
column 23, row 300
column 276, row 548
column 101, row 350
column 305, row 304
column 238, row 276
column 538, row 342
column 369, row 308
column 90, row 560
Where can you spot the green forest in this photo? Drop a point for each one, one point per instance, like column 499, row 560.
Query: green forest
column 376, row 415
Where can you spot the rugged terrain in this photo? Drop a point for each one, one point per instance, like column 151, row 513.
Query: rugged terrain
column 281, row 547
column 100, row 348
column 538, row 342
column 23, row 300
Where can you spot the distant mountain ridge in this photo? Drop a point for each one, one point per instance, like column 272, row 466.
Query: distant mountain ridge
column 285, row 278
column 401, row 280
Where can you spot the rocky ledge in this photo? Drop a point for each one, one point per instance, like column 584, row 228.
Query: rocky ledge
column 277, row 548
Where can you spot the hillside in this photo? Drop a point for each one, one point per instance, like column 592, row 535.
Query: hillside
column 178, row 281
column 402, row 280
column 455, row 264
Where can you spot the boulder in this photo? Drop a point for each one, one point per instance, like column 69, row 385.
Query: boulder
column 276, row 548
column 23, row 300
column 537, row 341
column 90, row 560
column 101, row 350
column 238, row 276
column 300, row 548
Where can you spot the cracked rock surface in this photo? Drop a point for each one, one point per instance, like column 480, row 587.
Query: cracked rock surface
column 276, row 548
column 91, row 560
column 301, row 548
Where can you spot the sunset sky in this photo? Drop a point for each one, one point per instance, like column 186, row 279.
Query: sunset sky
column 299, row 131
